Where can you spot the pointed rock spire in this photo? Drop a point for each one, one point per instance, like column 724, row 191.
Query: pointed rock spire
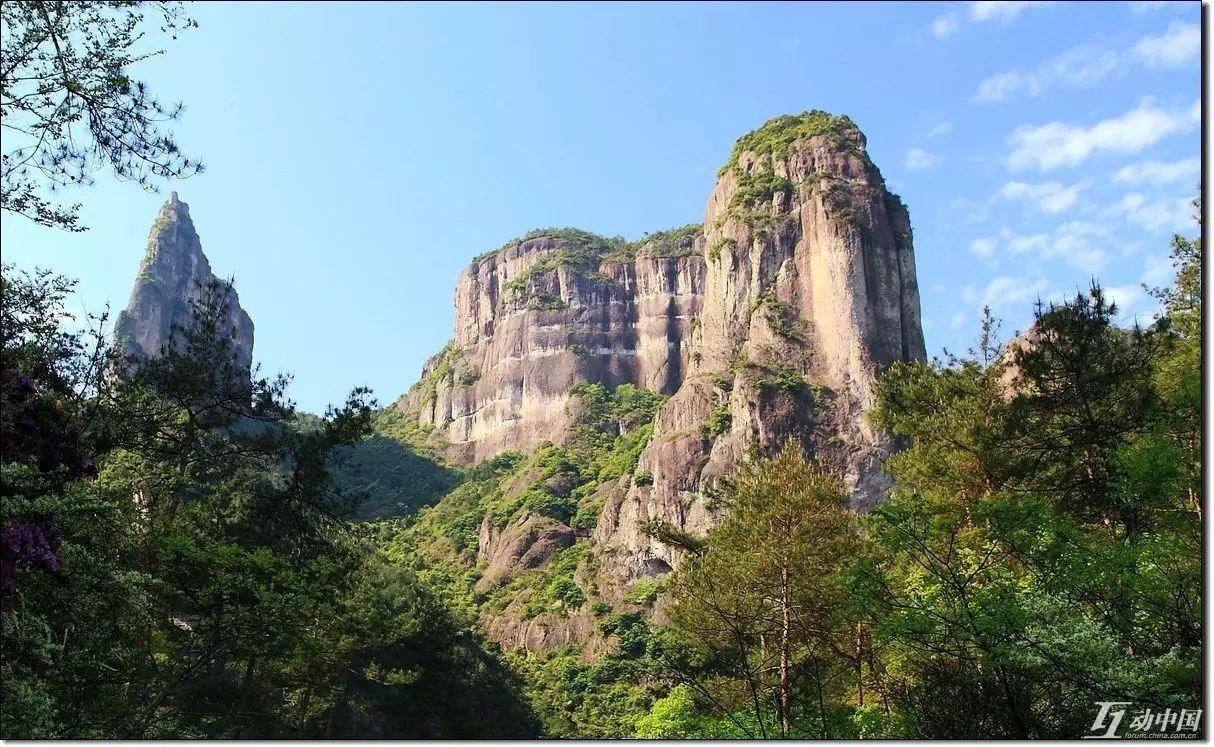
column 171, row 273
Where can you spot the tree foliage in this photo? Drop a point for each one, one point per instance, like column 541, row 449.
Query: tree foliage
column 177, row 561
column 70, row 106
column 1040, row 550
column 759, row 607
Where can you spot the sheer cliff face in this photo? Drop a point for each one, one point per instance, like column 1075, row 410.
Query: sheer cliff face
column 810, row 290
column 173, row 271
column 545, row 313
column 801, row 287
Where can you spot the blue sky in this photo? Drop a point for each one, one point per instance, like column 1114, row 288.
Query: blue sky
column 358, row 155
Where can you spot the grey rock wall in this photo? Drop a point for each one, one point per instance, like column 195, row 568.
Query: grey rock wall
column 173, row 271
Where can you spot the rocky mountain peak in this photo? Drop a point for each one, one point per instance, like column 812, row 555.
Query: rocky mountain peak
column 766, row 324
column 173, row 271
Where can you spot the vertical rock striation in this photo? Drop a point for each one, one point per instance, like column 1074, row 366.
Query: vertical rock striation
column 769, row 323
column 546, row 312
column 810, row 290
column 173, row 272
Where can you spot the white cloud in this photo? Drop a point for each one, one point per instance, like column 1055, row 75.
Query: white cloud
column 1003, row 86
column 918, row 159
column 1157, row 173
column 957, row 321
column 1049, row 197
column 1088, row 64
column 1079, row 67
column 965, row 205
column 1004, row 11
column 1056, row 144
column 941, row 129
column 1143, row 6
column 1179, row 45
column 1160, row 271
column 1077, row 243
column 1165, row 213
column 1037, row 243
column 1006, row 292
column 945, row 26
column 984, row 247
column 1125, row 296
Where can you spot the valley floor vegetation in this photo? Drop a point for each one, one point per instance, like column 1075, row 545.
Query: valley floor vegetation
column 184, row 554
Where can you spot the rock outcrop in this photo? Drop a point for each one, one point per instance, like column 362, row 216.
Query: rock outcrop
column 549, row 311
column 173, row 272
column 768, row 324
column 810, row 290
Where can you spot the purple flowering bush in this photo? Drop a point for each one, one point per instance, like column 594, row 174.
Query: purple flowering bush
column 26, row 544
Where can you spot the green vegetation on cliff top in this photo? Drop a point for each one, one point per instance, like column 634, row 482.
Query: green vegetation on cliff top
column 582, row 248
column 778, row 133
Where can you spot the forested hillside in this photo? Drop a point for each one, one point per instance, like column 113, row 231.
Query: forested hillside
column 178, row 563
